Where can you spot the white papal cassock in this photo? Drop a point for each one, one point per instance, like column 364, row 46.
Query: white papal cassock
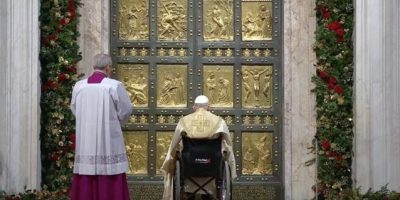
column 100, row 110
column 200, row 124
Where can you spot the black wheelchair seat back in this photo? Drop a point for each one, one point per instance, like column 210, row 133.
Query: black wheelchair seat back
column 201, row 157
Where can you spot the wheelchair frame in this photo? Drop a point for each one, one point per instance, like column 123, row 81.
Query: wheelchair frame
column 223, row 178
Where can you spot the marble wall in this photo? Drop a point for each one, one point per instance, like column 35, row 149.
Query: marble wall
column 20, row 96
column 299, row 114
column 94, row 29
column 377, row 93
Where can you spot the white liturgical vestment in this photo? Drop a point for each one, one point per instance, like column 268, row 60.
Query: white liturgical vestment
column 100, row 110
column 200, row 124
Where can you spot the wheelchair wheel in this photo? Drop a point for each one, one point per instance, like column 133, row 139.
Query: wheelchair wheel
column 177, row 181
column 225, row 189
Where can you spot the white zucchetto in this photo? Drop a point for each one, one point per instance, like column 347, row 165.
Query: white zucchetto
column 201, row 99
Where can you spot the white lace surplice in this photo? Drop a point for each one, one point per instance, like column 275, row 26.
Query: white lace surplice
column 100, row 110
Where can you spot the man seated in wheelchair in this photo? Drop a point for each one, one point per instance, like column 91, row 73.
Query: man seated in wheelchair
column 200, row 160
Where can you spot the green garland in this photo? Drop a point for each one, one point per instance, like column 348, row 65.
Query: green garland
column 334, row 81
column 59, row 56
column 334, row 106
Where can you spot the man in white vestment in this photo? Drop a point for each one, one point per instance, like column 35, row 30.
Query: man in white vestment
column 211, row 127
column 101, row 106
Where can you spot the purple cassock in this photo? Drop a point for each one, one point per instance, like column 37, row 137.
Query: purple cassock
column 99, row 187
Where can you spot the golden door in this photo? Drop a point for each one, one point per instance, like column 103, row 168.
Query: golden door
column 167, row 52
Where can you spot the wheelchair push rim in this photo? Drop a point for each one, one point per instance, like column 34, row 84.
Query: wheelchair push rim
column 177, row 182
column 225, row 190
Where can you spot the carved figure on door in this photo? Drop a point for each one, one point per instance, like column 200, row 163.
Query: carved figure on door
column 218, row 28
column 267, row 87
column 172, row 21
column 223, row 85
column 264, row 18
column 178, row 81
column 246, row 84
column 211, row 85
column 168, row 91
column 256, row 84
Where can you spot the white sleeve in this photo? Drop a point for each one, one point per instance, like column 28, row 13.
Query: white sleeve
column 73, row 101
column 168, row 165
column 176, row 139
column 227, row 147
column 124, row 106
column 223, row 128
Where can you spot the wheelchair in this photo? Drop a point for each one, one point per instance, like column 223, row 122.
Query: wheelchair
column 202, row 158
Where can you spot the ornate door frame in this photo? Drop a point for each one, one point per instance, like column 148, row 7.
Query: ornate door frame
column 243, row 58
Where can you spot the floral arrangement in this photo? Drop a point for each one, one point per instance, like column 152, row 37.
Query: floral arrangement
column 334, row 106
column 334, row 81
column 59, row 56
column 37, row 195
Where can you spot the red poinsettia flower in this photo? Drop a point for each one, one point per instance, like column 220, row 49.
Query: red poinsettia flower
column 332, row 154
column 62, row 77
column 51, row 85
column 326, row 144
column 340, row 32
column 339, row 158
column 71, row 8
column 55, row 156
column 335, row 155
column 324, row 11
column 334, row 25
column 64, row 21
column 338, row 89
column 72, row 69
column 322, row 74
column 51, row 38
column 332, row 80
column 326, row 15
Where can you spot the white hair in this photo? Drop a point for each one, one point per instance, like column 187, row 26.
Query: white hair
column 101, row 61
column 201, row 105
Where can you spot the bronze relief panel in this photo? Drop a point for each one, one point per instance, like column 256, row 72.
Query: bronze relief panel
column 133, row 20
column 135, row 78
column 218, row 85
column 256, row 20
column 218, row 20
column 257, row 153
column 163, row 140
column 256, row 86
column 172, row 20
column 172, row 86
column 136, row 149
